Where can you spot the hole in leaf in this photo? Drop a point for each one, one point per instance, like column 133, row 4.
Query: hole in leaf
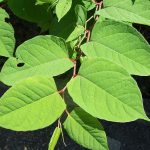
column 20, row 65
column 7, row 20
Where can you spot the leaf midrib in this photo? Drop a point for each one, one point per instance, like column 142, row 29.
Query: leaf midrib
column 133, row 13
column 86, row 130
column 122, row 55
column 32, row 67
column 37, row 101
column 110, row 94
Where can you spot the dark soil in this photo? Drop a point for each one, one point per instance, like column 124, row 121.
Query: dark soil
column 127, row 136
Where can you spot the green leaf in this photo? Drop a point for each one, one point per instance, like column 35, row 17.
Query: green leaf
column 62, row 28
column 89, row 4
column 42, row 55
column 3, row 15
column 107, row 91
column 81, row 15
column 7, row 40
column 79, row 30
column 65, row 26
column 62, row 8
column 31, row 104
column 41, row 2
column 139, row 12
column 26, row 9
column 54, row 138
column 121, row 44
column 86, row 130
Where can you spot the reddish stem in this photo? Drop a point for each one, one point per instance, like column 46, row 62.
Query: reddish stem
column 98, row 7
column 62, row 90
column 74, row 69
column 88, row 35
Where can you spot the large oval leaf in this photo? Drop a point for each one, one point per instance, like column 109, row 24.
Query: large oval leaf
column 26, row 9
column 42, row 55
column 86, row 130
column 31, row 104
column 121, row 44
column 107, row 91
column 137, row 12
column 7, row 40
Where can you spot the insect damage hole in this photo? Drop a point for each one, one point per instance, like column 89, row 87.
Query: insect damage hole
column 20, row 64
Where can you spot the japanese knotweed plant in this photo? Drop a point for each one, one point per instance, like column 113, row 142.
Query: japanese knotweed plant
column 93, row 41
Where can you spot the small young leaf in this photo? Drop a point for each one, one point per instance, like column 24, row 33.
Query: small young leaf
column 42, row 55
column 121, row 44
column 7, row 40
column 62, row 8
column 81, row 15
column 30, row 105
column 65, row 26
column 54, row 138
column 107, row 91
column 79, row 30
column 89, row 4
column 86, row 130
column 139, row 12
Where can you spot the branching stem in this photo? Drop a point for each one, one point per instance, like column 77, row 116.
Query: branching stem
column 88, row 21
column 98, row 7
column 60, row 126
